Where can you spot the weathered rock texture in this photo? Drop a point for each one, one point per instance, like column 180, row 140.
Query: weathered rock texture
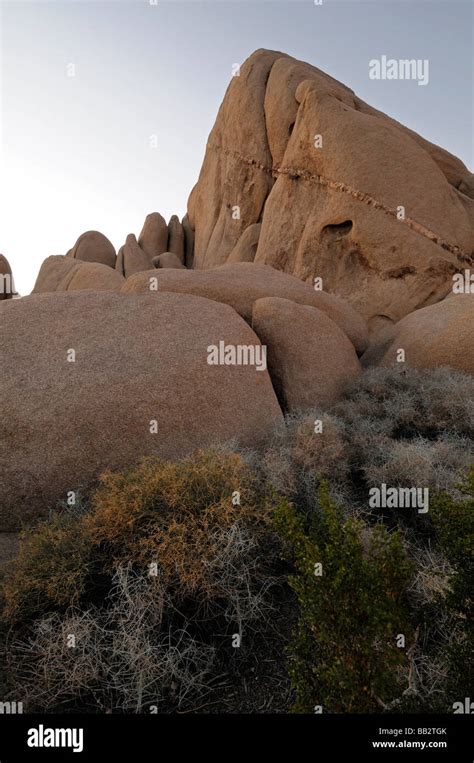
column 138, row 359
column 154, row 236
column 60, row 273
column 246, row 247
column 132, row 257
column 329, row 206
column 93, row 246
column 167, row 260
column 176, row 238
column 241, row 284
column 438, row 335
column 310, row 359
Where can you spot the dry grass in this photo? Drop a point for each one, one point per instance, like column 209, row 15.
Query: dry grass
column 122, row 658
column 401, row 427
column 437, row 464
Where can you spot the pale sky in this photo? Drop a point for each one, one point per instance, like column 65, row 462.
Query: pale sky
column 76, row 152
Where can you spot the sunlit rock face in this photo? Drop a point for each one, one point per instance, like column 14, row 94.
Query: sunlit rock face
column 341, row 191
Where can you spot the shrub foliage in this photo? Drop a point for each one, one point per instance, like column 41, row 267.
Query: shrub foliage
column 196, row 540
column 351, row 586
column 166, row 563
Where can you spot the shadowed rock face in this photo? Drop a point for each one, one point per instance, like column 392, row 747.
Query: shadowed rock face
column 341, row 191
column 176, row 243
column 167, row 260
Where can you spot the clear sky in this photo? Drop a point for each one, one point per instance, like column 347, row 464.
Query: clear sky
column 77, row 151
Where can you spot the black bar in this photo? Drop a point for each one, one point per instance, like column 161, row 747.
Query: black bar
column 315, row 738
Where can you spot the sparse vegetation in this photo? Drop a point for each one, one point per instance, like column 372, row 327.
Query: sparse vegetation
column 114, row 657
column 351, row 583
column 196, row 542
column 404, row 427
column 453, row 522
column 165, row 568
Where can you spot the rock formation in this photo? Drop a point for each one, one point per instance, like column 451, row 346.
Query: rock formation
column 93, row 246
column 188, row 242
column 59, row 273
column 320, row 230
column 246, row 247
column 310, row 359
column 109, row 385
column 119, row 264
column 438, row 335
column 341, row 191
column 167, row 260
column 241, row 284
column 132, row 257
column 154, row 236
column 176, row 238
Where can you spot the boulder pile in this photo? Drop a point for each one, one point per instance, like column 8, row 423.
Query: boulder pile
column 322, row 237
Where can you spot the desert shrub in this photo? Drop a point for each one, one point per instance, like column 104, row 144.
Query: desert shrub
column 170, row 513
column 453, row 520
column 52, row 567
column 405, row 403
column 298, row 456
column 404, row 427
column 180, row 516
column 440, row 598
column 421, row 462
column 121, row 658
column 344, row 656
column 202, row 558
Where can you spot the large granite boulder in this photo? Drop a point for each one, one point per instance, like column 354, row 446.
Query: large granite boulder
column 62, row 273
column 310, row 359
column 92, row 381
column 240, row 284
column 93, row 246
column 438, row 335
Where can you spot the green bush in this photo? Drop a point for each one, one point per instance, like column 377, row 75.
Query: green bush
column 453, row 521
column 344, row 654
